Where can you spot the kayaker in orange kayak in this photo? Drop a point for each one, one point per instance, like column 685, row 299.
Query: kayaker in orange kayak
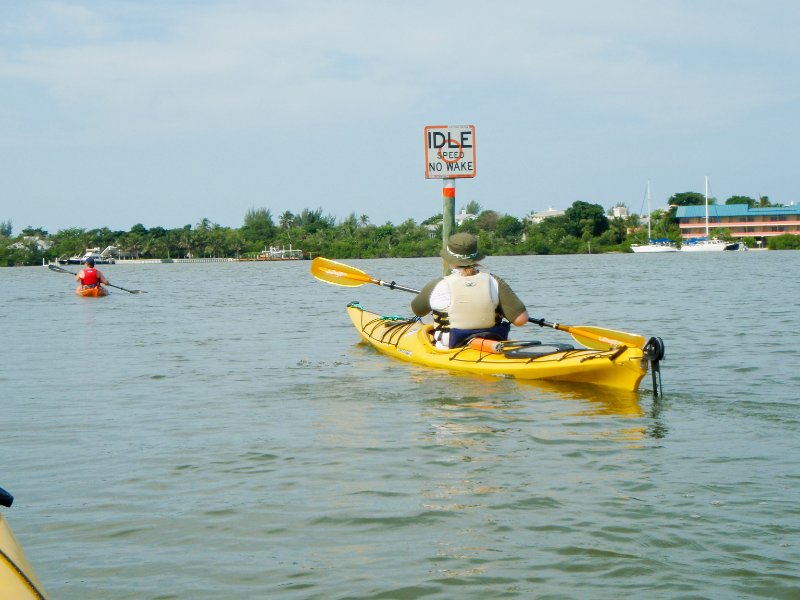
column 468, row 301
column 89, row 277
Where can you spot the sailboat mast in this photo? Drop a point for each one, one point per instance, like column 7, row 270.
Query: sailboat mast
column 707, row 207
column 649, row 214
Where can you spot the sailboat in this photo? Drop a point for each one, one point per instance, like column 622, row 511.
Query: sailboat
column 652, row 246
column 707, row 244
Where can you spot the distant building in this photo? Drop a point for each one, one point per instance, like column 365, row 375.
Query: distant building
column 29, row 240
column 620, row 212
column 464, row 216
column 538, row 217
column 741, row 220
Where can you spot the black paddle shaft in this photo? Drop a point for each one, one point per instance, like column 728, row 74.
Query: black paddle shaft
column 395, row 286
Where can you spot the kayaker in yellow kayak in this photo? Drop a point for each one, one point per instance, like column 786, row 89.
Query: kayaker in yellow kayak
column 89, row 277
column 468, row 301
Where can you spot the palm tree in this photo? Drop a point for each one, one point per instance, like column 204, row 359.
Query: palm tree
column 286, row 219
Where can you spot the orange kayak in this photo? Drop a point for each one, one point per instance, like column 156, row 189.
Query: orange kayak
column 92, row 292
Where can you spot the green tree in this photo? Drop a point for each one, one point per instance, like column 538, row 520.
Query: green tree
column 34, row 231
column 234, row 242
column 688, row 199
column 433, row 220
column 258, row 227
column 185, row 236
column 313, row 220
column 786, row 241
column 473, row 208
column 763, row 202
column 741, row 200
column 617, row 230
column 508, row 228
column 487, row 220
column 286, row 219
column 585, row 220
column 133, row 243
column 349, row 225
column 468, row 226
column 69, row 242
column 6, row 228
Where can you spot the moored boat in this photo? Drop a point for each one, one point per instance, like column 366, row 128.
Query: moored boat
column 410, row 340
column 97, row 291
column 282, row 253
column 100, row 258
column 707, row 243
column 656, row 246
column 17, row 578
column 653, row 246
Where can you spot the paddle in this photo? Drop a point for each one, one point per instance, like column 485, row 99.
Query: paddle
column 596, row 338
column 60, row 270
column 336, row 273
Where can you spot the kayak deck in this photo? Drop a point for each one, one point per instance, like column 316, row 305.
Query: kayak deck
column 17, row 579
column 410, row 340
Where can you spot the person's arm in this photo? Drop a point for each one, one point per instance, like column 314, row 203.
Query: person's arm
column 522, row 319
column 101, row 278
column 79, row 276
column 512, row 307
column 421, row 304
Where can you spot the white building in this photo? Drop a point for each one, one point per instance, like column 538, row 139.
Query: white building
column 464, row 216
column 538, row 217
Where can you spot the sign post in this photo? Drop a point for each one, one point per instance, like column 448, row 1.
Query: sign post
column 449, row 155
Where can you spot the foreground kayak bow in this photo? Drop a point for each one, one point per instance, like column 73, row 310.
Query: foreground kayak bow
column 17, row 579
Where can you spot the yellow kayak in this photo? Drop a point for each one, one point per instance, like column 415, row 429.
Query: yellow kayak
column 17, row 579
column 620, row 368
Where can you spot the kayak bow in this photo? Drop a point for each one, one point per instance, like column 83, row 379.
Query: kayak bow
column 17, row 579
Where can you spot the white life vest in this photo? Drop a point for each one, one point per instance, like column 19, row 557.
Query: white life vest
column 471, row 305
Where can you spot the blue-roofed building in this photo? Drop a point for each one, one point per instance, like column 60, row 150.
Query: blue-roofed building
column 741, row 220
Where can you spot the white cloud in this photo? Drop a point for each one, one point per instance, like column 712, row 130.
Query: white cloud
column 254, row 66
column 163, row 108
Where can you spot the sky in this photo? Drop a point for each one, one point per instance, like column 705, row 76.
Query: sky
column 115, row 113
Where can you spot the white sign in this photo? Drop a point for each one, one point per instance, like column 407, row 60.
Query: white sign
column 449, row 151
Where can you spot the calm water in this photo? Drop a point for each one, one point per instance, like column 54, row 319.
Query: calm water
column 224, row 436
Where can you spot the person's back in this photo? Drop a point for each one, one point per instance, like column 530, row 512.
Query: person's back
column 472, row 305
column 88, row 276
column 468, row 302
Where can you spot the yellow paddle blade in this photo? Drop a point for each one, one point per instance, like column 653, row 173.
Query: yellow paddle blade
column 336, row 273
column 598, row 338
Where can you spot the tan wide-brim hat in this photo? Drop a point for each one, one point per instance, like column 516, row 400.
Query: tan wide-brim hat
column 462, row 250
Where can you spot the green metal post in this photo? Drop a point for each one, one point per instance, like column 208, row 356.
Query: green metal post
column 448, row 216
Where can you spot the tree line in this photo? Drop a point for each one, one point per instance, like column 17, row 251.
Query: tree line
column 583, row 228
